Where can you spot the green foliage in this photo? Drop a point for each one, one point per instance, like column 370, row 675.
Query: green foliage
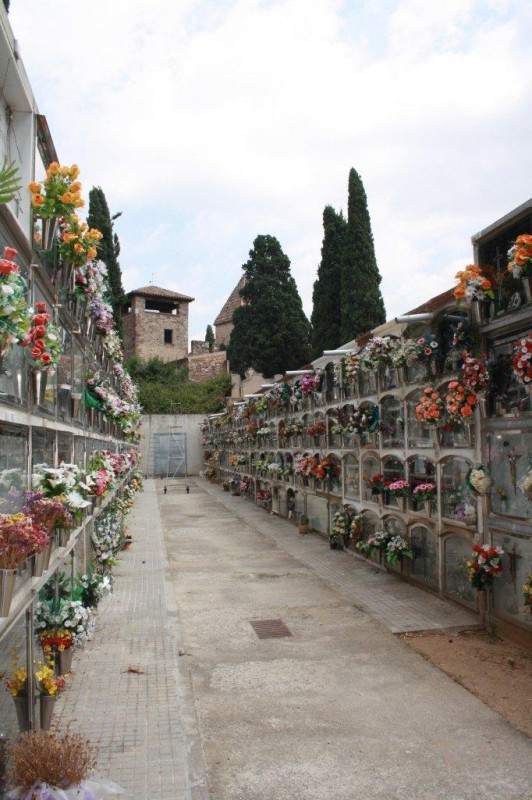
column 9, row 182
column 164, row 388
column 271, row 333
column 108, row 251
column 362, row 307
column 326, row 296
column 209, row 338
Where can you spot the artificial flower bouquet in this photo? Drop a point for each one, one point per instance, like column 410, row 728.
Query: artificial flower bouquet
column 424, row 491
column 14, row 321
column 484, row 566
column 16, row 682
column 397, row 549
column 78, row 242
column 522, row 360
column 48, row 683
column 316, row 429
column 59, row 194
column 376, row 483
column 58, row 639
column 431, row 408
column 479, row 480
column 473, row 285
column 45, row 511
column 400, row 488
column 376, row 541
column 380, row 350
column 520, row 256
column 340, row 527
column 70, row 615
column 525, row 484
column 20, row 538
column 43, row 340
column 460, row 402
column 474, row 373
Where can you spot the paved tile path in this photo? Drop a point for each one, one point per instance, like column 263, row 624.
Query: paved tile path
column 173, row 678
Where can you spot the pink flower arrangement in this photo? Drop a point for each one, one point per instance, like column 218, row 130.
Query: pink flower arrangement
column 399, row 488
column 424, row 491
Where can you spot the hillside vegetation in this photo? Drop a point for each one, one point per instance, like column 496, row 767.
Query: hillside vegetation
column 164, row 388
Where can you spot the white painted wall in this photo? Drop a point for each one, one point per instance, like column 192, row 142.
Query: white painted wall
column 188, row 424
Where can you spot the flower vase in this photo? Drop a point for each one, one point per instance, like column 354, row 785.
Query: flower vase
column 47, row 554
column 39, row 378
column 62, row 536
column 427, row 506
column 21, row 707
column 64, row 660
column 75, row 400
column 476, row 312
column 48, row 233
column 469, row 433
column 37, row 563
column 47, row 703
column 401, row 502
column 401, row 374
column 7, row 590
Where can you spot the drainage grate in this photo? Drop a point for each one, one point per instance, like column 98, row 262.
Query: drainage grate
column 270, row 628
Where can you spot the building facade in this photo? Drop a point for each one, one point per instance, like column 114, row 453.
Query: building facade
column 329, row 442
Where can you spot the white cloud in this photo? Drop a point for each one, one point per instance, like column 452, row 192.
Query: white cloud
column 208, row 123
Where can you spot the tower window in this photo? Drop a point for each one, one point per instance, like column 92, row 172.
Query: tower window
column 168, row 336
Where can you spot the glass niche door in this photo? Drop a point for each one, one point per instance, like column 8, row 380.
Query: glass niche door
column 510, row 465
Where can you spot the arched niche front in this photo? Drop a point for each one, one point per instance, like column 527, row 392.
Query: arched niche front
column 393, row 469
column 456, row 554
column 418, row 435
column 371, row 466
column 424, row 545
column 456, row 433
column 367, row 382
column 457, row 502
column 335, row 482
column 392, row 424
column 351, row 468
column 420, row 470
column 394, row 525
column 367, row 414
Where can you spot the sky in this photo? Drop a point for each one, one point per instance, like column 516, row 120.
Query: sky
column 210, row 122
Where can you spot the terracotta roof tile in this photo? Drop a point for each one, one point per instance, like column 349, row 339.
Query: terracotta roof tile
column 233, row 302
column 156, row 291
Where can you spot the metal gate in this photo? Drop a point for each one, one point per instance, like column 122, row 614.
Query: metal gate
column 170, row 454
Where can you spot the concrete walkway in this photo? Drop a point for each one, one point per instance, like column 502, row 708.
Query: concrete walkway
column 186, row 702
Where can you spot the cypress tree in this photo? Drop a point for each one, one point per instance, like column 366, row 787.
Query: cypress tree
column 271, row 332
column 108, row 250
column 209, row 338
column 362, row 307
column 326, row 317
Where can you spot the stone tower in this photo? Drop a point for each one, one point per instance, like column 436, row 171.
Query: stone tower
column 155, row 324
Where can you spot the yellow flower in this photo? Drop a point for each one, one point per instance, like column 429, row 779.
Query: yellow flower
column 34, row 187
column 37, row 200
column 75, row 187
column 67, row 198
column 91, row 253
column 74, row 171
column 79, row 203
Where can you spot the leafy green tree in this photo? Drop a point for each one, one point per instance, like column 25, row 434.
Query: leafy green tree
column 108, row 250
column 326, row 318
column 361, row 305
column 271, row 332
column 209, row 338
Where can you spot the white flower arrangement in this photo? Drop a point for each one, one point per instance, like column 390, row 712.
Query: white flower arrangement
column 525, row 484
column 479, row 480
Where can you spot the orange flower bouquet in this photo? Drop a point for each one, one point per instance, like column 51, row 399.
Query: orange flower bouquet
column 473, row 285
column 431, row 408
column 460, row 402
column 520, row 256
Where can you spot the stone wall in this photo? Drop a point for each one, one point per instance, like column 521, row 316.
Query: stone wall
column 170, row 424
column 198, row 348
column 144, row 332
column 207, row 366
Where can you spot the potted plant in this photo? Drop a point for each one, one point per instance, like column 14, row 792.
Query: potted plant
column 48, row 764
column 303, row 525
column 20, row 538
column 16, row 684
column 49, row 685
column 425, row 493
column 400, row 490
